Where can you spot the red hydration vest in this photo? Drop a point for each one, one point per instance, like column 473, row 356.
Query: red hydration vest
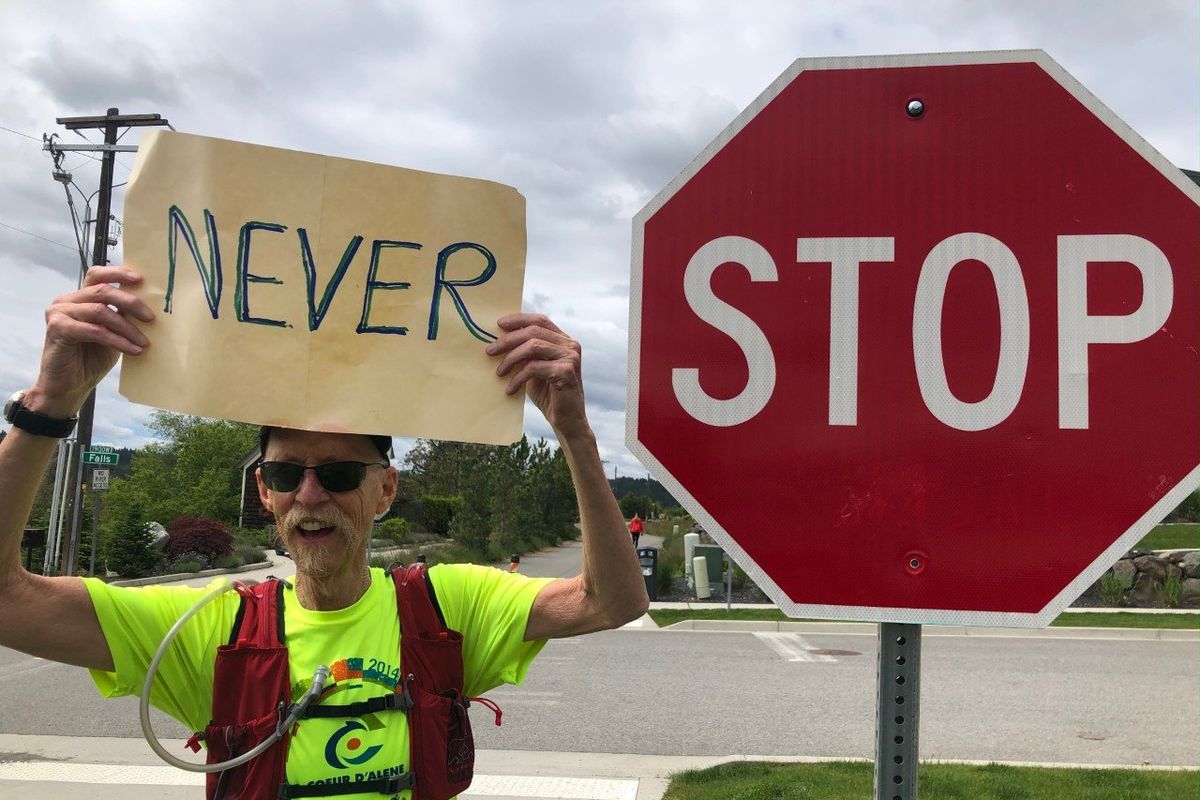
column 252, row 694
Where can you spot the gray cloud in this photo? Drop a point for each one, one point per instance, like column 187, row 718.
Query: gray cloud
column 124, row 74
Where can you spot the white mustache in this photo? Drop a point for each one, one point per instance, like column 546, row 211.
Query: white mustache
column 327, row 518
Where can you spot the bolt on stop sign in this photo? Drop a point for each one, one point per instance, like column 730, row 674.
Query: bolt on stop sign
column 915, row 338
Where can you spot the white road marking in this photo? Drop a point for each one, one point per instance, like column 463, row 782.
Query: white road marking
column 98, row 773
column 143, row 775
column 791, row 647
column 541, row 786
column 38, row 665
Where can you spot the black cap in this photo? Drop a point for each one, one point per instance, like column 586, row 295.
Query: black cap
column 382, row 443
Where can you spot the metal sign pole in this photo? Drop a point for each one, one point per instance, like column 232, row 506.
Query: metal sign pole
column 60, row 469
column 897, row 712
column 728, row 583
column 95, row 530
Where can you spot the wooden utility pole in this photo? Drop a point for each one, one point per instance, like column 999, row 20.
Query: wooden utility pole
column 109, row 123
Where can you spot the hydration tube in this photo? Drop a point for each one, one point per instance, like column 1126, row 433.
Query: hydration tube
column 318, row 685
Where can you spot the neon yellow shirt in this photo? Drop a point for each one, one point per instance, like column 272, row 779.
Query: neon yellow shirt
column 360, row 644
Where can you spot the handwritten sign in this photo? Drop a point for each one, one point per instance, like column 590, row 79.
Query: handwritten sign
column 321, row 293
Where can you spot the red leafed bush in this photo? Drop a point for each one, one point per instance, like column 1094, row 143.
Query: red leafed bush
column 208, row 537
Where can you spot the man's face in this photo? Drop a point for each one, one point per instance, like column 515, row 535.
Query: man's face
column 326, row 532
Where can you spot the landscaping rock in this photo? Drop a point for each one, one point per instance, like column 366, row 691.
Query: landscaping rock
column 1190, row 596
column 1191, row 564
column 1153, row 566
column 1126, row 571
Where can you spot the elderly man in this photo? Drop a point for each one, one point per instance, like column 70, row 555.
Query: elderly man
column 325, row 490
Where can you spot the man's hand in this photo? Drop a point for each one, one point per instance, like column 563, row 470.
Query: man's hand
column 610, row 591
column 546, row 361
column 85, row 331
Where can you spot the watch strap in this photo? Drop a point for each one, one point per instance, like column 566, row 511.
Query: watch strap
column 38, row 423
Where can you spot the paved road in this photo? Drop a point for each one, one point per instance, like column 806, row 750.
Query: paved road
column 700, row 693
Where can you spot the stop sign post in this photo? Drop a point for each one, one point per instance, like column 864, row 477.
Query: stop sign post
column 915, row 339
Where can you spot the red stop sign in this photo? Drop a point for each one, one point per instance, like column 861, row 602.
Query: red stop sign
column 915, row 338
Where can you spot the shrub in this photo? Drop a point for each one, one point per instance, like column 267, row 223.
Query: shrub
column 470, row 530
column 129, row 547
column 1188, row 510
column 663, row 579
column 740, row 578
column 449, row 554
column 1112, row 590
column 262, row 537
column 181, row 567
column 1169, row 589
column 189, row 557
column 438, row 512
column 250, row 554
column 228, row 561
column 208, row 537
column 394, row 529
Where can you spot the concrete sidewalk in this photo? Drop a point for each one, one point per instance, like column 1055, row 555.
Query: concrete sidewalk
column 51, row 767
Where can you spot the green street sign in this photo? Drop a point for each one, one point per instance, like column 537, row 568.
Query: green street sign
column 99, row 457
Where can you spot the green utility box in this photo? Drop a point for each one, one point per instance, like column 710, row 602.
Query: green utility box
column 712, row 557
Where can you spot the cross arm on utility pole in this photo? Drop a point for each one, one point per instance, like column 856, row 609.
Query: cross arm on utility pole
column 91, row 148
column 121, row 120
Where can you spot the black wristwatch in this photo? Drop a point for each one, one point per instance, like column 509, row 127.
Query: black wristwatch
column 36, row 423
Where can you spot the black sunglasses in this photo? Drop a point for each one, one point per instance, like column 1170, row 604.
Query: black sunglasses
column 336, row 476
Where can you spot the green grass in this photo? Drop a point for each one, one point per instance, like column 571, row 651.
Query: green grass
column 1123, row 619
column 1128, row 619
column 853, row 781
column 1181, row 536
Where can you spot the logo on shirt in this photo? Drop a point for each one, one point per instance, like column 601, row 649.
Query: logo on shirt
column 346, row 747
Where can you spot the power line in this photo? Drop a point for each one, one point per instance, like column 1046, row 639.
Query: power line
column 89, row 141
column 18, row 133
column 34, row 235
column 34, row 138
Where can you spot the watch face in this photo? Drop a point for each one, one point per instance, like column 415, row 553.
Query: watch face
column 11, row 406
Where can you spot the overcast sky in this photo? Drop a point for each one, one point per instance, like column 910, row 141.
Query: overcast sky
column 587, row 108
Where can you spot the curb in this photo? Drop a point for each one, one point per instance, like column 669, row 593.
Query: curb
column 184, row 576
column 871, row 629
column 696, row 605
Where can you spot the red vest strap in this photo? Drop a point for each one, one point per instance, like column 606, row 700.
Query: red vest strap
column 261, row 614
column 417, row 614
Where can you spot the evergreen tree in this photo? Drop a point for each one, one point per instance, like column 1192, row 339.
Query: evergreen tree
column 129, row 549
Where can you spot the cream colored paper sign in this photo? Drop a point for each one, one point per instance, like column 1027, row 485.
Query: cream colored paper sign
column 321, row 293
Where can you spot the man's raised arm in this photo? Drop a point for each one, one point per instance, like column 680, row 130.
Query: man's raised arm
column 610, row 590
column 86, row 330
